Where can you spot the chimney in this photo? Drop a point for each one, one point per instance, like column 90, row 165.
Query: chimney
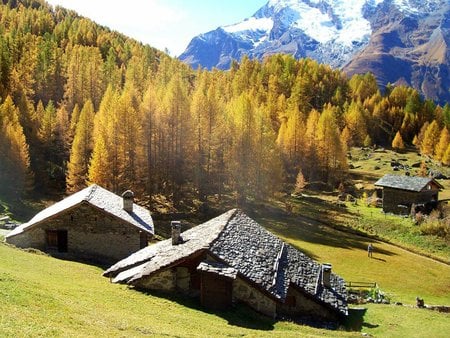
column 176, row 232
column 326, row 275
column 128, row 200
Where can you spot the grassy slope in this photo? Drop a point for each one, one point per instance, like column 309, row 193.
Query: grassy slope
column 400, row 273
column 43, row 296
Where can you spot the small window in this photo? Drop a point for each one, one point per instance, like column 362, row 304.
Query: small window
column 52, row 239
column 57, row 240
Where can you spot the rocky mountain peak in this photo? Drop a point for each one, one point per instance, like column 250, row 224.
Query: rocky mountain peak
column 341, row 33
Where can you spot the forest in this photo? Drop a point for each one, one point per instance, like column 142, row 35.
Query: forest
column 83, row 104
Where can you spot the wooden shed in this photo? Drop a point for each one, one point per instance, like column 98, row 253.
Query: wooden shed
column 401, row 193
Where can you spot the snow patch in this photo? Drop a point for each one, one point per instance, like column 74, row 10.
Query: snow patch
column 343, row 22
column 251, row 24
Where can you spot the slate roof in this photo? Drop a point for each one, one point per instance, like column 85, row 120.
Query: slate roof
column 241, row 244
column 163, row 254
column 99, row 198
column 219, row 269
column 403, row 182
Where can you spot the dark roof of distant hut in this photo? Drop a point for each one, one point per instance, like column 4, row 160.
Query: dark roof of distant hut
column 243, row 248
column 409, row 183
column 99, row 198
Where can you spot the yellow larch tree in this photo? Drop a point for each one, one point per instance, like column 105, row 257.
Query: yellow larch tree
column 80, row 153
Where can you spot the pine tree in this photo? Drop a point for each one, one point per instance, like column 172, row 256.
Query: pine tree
column 430, row 139
column 441, row 146
column 104, row 165
column 15, row 174
column 77, row 168
column 309, row 165
column 300, row 183
column 149, row 109
column 332, row 159
column 129, row 130
column 397, row 142
column 423, row 170
column 446, row 158
column 356, row 123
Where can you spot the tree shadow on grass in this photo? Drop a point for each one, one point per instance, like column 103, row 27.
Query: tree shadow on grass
column 239, row 315
column 298, row 227
column 355, row 320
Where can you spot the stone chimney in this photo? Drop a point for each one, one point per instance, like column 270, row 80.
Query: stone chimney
column 128, row 200
column 176, row 232
column 326, row 275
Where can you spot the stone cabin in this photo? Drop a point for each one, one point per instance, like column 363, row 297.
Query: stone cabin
column 400, row 193
column 93, row 224
column 233, row 259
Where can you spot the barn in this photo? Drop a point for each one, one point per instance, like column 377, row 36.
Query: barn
column 400, row 193
column 232, row 259
column 93, row 224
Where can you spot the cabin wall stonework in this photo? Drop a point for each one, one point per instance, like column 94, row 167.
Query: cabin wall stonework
column 244, row 292
column 297, row 304
column 92, row 234
column 164, row 280
column 393, row 199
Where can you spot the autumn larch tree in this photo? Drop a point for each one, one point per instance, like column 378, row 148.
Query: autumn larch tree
column 77, row 168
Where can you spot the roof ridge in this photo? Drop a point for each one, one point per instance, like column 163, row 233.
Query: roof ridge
column 233, row 214
column 92, row 190
column 277, row 263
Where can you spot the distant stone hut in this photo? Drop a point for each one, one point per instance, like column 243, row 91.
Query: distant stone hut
column 401, row 193
column 93, row 224
column 232, row 259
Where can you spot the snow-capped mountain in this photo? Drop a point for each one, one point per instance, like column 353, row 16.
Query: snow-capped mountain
column 336, row 32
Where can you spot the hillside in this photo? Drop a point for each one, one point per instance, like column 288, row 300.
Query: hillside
column 41, row 295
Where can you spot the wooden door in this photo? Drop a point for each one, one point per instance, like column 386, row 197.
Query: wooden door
column 216, row 291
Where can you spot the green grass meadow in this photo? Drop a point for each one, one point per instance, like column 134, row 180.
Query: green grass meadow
column 41, row 296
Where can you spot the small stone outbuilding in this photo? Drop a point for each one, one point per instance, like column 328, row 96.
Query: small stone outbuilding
column 93, row 224
column 232, row 259
column 401, row 193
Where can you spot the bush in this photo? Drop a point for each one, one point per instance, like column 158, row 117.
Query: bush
column 439, row 228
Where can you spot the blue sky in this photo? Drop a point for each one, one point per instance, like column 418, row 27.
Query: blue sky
column 164, row 24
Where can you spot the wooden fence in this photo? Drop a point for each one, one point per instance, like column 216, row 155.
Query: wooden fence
column 362, row 285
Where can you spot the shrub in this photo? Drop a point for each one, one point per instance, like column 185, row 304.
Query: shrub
column 438, row 228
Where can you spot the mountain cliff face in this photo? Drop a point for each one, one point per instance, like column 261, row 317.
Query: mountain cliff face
column 400, row 41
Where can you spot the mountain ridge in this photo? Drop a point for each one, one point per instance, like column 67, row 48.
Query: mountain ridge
column 400, row 41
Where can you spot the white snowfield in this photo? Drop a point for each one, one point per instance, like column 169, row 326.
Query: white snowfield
column 326, row 21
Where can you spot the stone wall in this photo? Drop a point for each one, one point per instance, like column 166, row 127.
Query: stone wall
column 164, row 280
column 244, row 292
column 92, row 234
column 392, row 198
column 297, row 304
